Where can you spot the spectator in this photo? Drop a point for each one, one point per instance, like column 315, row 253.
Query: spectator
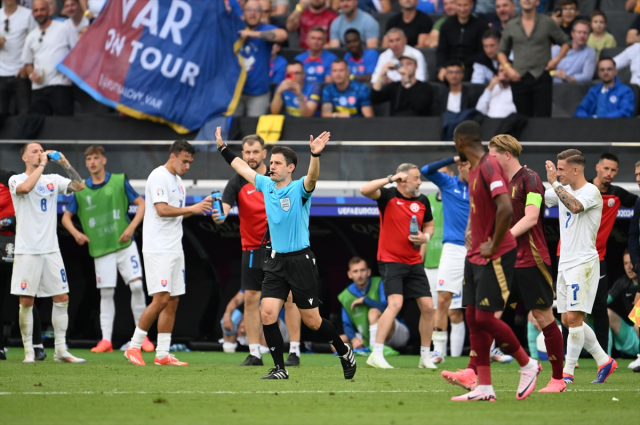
column 268, row 17
column 397, row 47
column 309, row 14
column 361, row 62
column 485, row 63
column 579, row 64
column 76, row 19
column 497, row 100
column 505, row 10
column 460, row 38
column 625, row 333
column 633, row 35
column 316, row 60
column 449, row 7
column 375, row 6
column 485, row 7
column 345, row 98
column 632, row 5
column 567, row 15
column 610, row 99
column 16, row 23
column 630, row 57
column 53, row 10
column 279, row 7
column 299, row 97
column 408, row 97
column 415, row 24
column 256, row 51
column 92, row 8
column 430, row 6
column 44, row 48
column 351, row 17
column 530, row 80
column 277, row 65
column 600, row 39
column 458, row 97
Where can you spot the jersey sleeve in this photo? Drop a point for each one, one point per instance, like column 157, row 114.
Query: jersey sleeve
column 347, row 326
column 73, row 205
column 627, row 199
column 617, row 288
column 550, row 197
column 533, row 189
column 63, row 185
column 132, row 195
column 370, row 60
column 385, row 196
column 303, row 190
column 158, row 189
column 13, row 184
column 428, row 215
column 364, row 93
column 316, row 93
column 262, row 183
column 230, row 194
column 494, row 181
column 590, row 199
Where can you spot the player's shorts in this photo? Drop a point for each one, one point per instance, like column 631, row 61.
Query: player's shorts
column 126, row 261
column 296, row 272
column 408, row 280
column 165, row 273
column 39, row 275
column 400, row 336
column 252, row 274
column 487, row 286
column 432, row 277
column 577, row 287
column 451, row 272
column 533, row 286
column 627, row 339
column 236, row 318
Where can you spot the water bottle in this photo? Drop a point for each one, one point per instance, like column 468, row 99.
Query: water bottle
column 5, row 222
column 217, row 203
column 413, row 228
column 54, row 156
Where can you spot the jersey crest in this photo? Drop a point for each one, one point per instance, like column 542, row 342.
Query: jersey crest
column 285, row 204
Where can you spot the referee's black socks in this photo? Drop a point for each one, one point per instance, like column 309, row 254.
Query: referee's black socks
column 329, row 333
column 274, row 340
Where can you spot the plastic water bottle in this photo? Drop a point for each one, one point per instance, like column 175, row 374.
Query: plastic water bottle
column 54, row 156
column 5, row 222
column 217, row 203
column 413, row 228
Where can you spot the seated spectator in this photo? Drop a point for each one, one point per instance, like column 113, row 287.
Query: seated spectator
column 579, row 64
column 277, row 65
column 449, row 8
column 633, row 35
column 610, row 99
column 599, row 38
column 361, row 62
column 460, row 38
column 505, row 10
column 415, row 24
column 630, row 57
column 279, row 7
column 497, row 100
column 397, row 47
column 76, row 20
column 408, row 97
column 316, row 60
column 308, row 14
column 352, row 17
column 345, row 98
column 375, row 6
column 299, row 97
column 19, row 23
column 625, row 332
column 567, row 15
column 485, row 64
column 458, row 97
column 44, row 47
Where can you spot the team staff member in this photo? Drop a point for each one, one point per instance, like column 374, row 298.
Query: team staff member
column 292, row 266
column 634, row 245
column 401, row 255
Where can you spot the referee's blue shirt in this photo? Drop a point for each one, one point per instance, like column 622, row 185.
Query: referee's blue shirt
column 287, row 213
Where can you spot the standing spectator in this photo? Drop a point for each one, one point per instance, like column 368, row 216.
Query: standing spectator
column 52, row 6
column 630, row 57
column 485, row 63
column 279, row 7
column 268, row 17
column 76, row 19
column 277, row 65
column 530, row 37
column 567, row 15
column 458, row 97
column 409, row 97
column 15, row 24
column 415, row 24
column 633, row 35
column 599, row 38
column 299, row 97
column 397, row 47
column 309, row 14
column 92, row 8
column 351, row 17
column 361, row 62
column 460, row 38
column 505, row 10
column 449, row 7
column 44, row 48
column 375, row 6
column 579, row 64
column 256, row 51
column 610, row 99
column 497, row 99
column 345, row 98
column 316, row 60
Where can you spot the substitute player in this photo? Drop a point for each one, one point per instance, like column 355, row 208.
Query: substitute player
column 580, row 211
column 103, row 211
column 162, row 251
column 291, row 266
column 401, row 255
column 532, row 283
column 38, row 270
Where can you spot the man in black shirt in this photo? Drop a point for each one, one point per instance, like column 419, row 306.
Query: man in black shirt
column 625, row 334
column 415, row 24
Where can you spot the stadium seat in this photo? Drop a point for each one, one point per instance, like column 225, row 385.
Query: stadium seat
column 339, row 52
column 430, row 58
column 636, row 90
column 625, row 73
column 382, row 109
column 290, row 53
column 618, row 24
column 566, row 97
column 585, row 7
column 294, row 39
column 382, row 19
column 611, row 6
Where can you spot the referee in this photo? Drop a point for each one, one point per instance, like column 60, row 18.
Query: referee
column 292, row 265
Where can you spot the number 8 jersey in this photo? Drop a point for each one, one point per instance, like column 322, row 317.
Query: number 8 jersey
column 37, row 213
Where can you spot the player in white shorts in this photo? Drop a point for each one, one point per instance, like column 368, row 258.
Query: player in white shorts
column 162, row 251
column 102, row 208
column 579, row 210
column 38, row 270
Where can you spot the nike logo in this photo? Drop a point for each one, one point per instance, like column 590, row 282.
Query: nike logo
column 456, row 191
column 603, row 276
column 574, row 304
column 249, row 192
column 174, row 190
column 272, row 348
column 64, row 287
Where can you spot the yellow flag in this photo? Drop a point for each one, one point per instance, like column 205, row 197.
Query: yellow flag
column 635, row 313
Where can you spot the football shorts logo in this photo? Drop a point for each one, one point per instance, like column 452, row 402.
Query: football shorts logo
column 613, row 99
column 352, row 100
column 9, row 249
column 163, row 282
column 320, row 69
column 23, row 285
column 98, row 280
column 611, row 202
column 41, row 190
column 310, row 301
column 414, row 207
column 285, row 204
column 342, row 101
column 160, row 192
column 441, row 282
column 50, row 186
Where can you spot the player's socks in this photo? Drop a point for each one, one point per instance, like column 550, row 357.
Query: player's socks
column 138, row 300
column 501, row 332
column 25, row 317
column 457, row 339
column 555, row 350
column 439, row 342
column 254, row 350
column 107, row 312
column 373, row 332
column 575, row 342
column 378, row 349
column 425, row 351
column 37, row 328
column 484, row 376
column 486, row 388
column 60, row 322
column 593, row 347
column 164, row 343
column 329, row 333
column 275, row 342
column 532, row 339
column 294, row 347
column 138, row 337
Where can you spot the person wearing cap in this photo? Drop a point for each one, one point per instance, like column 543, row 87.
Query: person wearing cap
column 397, row 42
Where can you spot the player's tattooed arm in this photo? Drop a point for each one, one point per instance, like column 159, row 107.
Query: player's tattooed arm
column 268, row 35
column 77, row 183
column 568, row 200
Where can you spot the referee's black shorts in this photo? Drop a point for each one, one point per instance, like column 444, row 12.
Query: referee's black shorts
column 487, row 286
column 408, row 280
column 251, row 274
column 534, row 286
column 296, row 272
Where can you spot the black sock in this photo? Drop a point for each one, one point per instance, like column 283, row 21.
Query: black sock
column 329, row 333
column 37, row 328
column 275, row 343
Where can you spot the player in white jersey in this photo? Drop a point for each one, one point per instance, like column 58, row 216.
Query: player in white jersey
column 162, row 251
column 38, row 270
column 579, row 210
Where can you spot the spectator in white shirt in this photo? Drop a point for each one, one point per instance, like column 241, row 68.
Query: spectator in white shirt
column 76, row 20
column 44, row 48
column 53, row 10
column 92, row 7
column 497, row 99
column 397, row 42
column 15, row 24
column 485, row 63
column 630, row 57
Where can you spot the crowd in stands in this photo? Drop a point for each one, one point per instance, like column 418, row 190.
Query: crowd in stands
column 366, row 58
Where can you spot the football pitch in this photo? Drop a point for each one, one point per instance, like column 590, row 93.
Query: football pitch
column 212, row 389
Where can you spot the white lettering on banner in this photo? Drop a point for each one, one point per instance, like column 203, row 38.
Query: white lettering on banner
column 189, row 73
column 114, row 43
column 151, row 22
column 171, row 24
column 108, row 84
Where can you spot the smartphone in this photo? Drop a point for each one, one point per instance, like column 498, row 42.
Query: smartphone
column 396, row 66
column 288, row 76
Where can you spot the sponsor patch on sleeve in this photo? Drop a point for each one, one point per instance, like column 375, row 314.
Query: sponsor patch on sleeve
column 496, row 184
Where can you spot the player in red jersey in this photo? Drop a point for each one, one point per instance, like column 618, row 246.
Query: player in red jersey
column 533, row 283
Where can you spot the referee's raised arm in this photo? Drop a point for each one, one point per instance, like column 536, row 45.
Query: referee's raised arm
column 316, row 145
column 235, row 161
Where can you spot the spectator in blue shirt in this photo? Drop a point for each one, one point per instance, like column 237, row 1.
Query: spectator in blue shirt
column 299, row 98
column 579, row 63
column 611, row 99
column 352, row 17
column 345, row 98
column 361, row 62
column 277, row 65
column 316, row 60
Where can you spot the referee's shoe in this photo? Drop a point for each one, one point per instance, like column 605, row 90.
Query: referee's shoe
column 348, row 363
column 277, row 373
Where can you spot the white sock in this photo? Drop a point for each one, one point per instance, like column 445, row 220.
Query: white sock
column 378, row 349
column 107, row 312
column 373, row 332
column 592, row 345
column 440, row 342
column 60, row 322
column 486, row 389
column 138, row 300
column 38, row 346
column 25, row 317
column 457, row 339
column 493, row 345
column 254, row 350
column 164, row 342
column 532, row 363
column 264, row 349
column 425, row 351
column 575, row 342
column 294, row 347
column 137, row 338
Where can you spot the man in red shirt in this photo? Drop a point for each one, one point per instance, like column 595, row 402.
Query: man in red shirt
column 401, row 255
column 308, row 14
column 488, row 272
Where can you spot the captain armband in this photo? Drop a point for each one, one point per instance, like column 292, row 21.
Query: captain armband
column 534, row 199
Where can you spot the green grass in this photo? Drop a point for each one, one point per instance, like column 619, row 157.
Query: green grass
column 107, row 389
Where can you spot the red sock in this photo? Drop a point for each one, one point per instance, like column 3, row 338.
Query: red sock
column 484, row 375
column 471, row 320
column 555, row 349
column 503, row 335
column 480, row 347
